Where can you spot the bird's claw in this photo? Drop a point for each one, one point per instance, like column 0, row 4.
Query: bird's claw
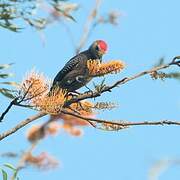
column 73, row 94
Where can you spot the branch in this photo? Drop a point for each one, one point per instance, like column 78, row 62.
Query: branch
column 123, row 123
column 13, row 102
column 96, row 93
column 21, row 125
column 87, row 26
column 18, row 100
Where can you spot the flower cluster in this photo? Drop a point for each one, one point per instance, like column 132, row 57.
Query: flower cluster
column 111, row 127
column 42, row 161
column 104, row 105
column 72, row 124
column 96, row 68
column 53, row 102
column 38, row 132
column 34, row 87
column 35, row 90
column 68, row 123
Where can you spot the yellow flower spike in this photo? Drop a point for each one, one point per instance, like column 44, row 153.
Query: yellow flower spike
column 52, row 103
column 100, row 69
column 34, row 84
column 35, row 133
column 93, row 66
column 35, row 90
column 84, row 107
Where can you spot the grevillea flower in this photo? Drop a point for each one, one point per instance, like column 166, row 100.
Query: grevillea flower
column 35, row 91
column 42, row 161
column 53, row 128
column 72, row 130
column 96, row 68
column 84, row 108
column 111, row 127
column 53, row 102
column 35, row 133
column 70, row 122
column 34, row 86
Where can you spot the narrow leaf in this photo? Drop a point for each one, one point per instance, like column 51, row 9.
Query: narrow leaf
column 5, row 66
column 6, row 92
column 15, row 174
column 10, row 83
column 10, row 166
column 6, row 75
column 4, row 173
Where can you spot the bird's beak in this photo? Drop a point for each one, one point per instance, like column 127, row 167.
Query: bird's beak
column 103, row 52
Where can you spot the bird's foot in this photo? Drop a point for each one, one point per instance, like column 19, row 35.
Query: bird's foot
column 89, row 91
column 73, row 94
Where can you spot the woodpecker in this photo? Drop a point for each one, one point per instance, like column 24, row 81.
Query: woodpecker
column 74, row 74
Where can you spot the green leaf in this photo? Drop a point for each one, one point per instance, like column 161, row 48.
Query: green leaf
column 10, row 166
column 5, row 66
column 65, row 14
column 2, row 5
column 6, row 75
column 10, row 83
column 69, row 16
column 15, row 175
column 4, row 173
column 6, row 92
column 11, row 27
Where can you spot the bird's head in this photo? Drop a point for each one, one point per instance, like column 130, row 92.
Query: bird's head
column 98, row 48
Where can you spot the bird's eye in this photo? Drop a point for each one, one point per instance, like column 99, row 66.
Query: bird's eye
column 97, row 48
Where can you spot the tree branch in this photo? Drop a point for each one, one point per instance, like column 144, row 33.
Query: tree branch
column 13, row 102
column 87, row 26
column 96, row 93
column 21, row 125
column 122, row 122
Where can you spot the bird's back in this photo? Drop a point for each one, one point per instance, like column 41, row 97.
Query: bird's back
column 75, row 67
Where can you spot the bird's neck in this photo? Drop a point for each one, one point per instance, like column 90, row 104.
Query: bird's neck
column 95, row 55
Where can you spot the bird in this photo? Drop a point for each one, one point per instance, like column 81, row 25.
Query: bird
column 74, row 74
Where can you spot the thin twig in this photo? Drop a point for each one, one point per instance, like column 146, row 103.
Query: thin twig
column 13, row 102
column 95, row 94
column 21, row 125
column 124, row 123
column 118, row 83
column 87, row 26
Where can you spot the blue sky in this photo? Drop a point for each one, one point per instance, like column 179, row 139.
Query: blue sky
column 147, row 31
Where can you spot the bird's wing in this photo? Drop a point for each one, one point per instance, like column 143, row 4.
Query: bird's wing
column 69, row 66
